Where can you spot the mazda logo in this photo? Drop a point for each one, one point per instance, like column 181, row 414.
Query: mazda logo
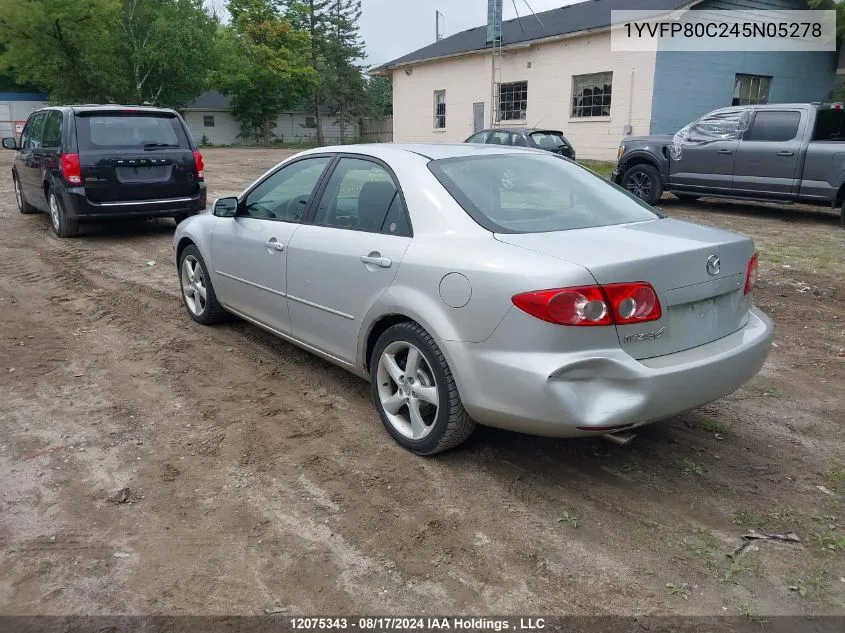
column 714, row 265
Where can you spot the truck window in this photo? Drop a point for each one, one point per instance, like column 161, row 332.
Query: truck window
column 830, row 125
column 774, row 126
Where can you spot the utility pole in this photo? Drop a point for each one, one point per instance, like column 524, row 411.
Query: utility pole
column 437, row 34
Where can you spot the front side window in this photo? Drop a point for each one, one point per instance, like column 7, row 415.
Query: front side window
column 535, row 193
column 53, row 130
column 439, row 109
column 751, row 89
column 34, row 130
column 774, row 126
column 362, row 195
column 286, row 194
column 513, row 101
column 478, row 138
column 591, row 95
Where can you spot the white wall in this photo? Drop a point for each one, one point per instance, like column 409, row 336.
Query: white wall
column 290, row 128
column 468, row 80
column 12, row 111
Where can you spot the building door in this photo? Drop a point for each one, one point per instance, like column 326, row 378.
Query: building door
column 477, row 117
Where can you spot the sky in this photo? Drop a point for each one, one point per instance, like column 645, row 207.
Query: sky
column 392, row 28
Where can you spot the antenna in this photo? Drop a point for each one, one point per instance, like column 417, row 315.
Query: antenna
column 534, row 13
column 438, row 32
column 518, row 19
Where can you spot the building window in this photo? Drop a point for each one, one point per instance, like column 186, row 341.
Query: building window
column 439, row 109
column 208, row 120
column 513, row 101
column 310, row 121
column 751, row 89
column 591, row 94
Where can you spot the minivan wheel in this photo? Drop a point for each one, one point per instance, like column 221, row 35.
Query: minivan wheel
column 414, row 392
column 842, row 215
column 23, row 205
column 197, row 292
column 62, row 225
column 644, row 182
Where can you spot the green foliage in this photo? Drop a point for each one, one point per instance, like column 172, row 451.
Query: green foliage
column 264, row 66
column 379, row 96
column 130, row 51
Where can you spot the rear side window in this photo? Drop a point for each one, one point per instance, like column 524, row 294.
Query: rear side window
column 830, row 125
column 53, row 130
column 535, row 193
column 121, row 130
column 774, row 126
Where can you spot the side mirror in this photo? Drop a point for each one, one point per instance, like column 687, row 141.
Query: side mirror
column 225, row 207
column 10, row 143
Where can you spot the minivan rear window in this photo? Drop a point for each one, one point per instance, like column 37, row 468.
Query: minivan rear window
column 536, row 193
column 124, row 130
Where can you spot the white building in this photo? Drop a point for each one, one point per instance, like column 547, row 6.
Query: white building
column 210, row 117
column 557, row 70
column 15, row 108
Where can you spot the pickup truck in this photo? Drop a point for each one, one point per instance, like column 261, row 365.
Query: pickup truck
column 783, row 153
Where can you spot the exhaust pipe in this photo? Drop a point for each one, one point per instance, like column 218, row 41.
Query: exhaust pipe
column 622, row 438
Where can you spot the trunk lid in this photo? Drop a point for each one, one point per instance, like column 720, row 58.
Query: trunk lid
column 698, row 304
column 135, row 155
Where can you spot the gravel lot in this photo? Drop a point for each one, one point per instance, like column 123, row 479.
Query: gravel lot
column 261, row 477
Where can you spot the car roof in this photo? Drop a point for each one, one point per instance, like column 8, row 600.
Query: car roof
column 518, row 129
column 107, row 107
column 432, row 151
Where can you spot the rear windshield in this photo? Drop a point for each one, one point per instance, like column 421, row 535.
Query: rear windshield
column 121, row 130
column 830, row 125
column 549, row 140
column 535, row 193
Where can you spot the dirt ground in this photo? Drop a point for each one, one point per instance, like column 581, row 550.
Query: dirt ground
column 260, row 477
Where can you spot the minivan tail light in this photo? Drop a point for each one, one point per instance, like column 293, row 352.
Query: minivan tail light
column 619, row 304
column 71, row 169
column 200, row 165
column 751, row 274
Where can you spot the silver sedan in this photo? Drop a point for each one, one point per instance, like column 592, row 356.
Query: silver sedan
column 482, row 284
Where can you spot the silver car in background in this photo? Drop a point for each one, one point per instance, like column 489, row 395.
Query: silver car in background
column 481, row 284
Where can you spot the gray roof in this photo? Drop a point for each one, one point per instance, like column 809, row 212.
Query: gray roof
column 211, row 100
column 593, row 14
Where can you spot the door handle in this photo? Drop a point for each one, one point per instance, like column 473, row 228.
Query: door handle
column 274, row 245
column 377, row 260
column 726, row 151
column 786, row 153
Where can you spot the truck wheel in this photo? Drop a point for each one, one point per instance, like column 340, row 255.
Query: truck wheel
column 842, row 215
column 644, row 182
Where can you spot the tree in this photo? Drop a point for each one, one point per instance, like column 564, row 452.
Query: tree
column 264, row 66
column 379, row 96
column 344, row 50
column 139, row 51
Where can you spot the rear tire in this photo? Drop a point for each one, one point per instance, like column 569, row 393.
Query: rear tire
column 842, row 215
column 197, row 291
column 644, row 182
column 23, row 205
column 406, row 403
column 62, row 225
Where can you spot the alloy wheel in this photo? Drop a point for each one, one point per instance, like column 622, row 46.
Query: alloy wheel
column 640, row 185
column 407, row 390
column 54, row 212
column 193, row 285
column 18, row 195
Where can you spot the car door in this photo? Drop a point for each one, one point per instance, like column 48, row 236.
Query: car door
column 26, row 163
column 249, row 251
column 767, row 156
column 342, row 261
column 703, row 156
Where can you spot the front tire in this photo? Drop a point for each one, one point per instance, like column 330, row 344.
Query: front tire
column 644, row 182
column 415, row 393
column 197, row 292
column 842, row 215
column 62, row 225
column 23, row 205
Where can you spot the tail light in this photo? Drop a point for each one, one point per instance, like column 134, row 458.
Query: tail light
column 71, row 169
column 751, row 274
column 200, row 165
column 620, row 304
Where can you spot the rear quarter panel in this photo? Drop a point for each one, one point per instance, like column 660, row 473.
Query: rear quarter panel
column 824, row 171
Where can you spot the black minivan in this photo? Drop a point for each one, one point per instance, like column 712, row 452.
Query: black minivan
column 99, row 162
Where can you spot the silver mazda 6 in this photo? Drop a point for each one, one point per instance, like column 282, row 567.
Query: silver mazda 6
column 482, row 284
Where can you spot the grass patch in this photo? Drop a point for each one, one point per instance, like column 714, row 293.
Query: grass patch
column 601, row 167
column 748, row 518
column 689, row 468
column 747, row 610
column 815, row 584
column 822, row 252
column 711, row 426
column 570, row 519
column 738, row 567
column 703, row 545
column 678, row 589
column 830, row 542
column 835, row 473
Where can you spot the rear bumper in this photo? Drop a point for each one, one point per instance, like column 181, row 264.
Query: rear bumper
column 553, row 394
column 78, row 206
